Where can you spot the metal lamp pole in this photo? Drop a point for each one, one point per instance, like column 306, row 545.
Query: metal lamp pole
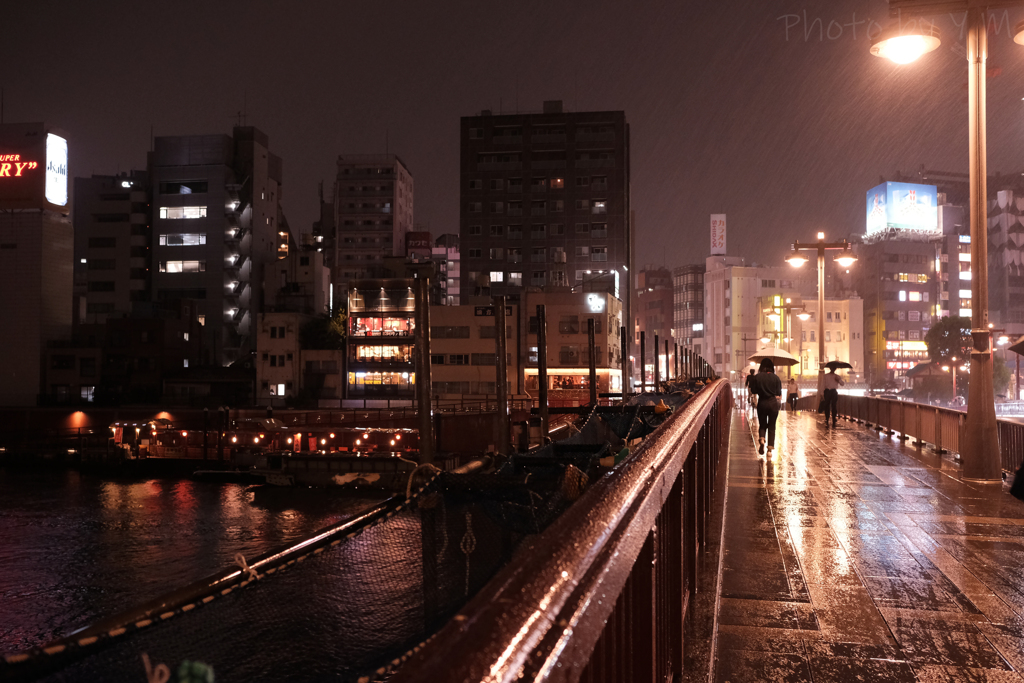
column 820, row 247
column 980, row 448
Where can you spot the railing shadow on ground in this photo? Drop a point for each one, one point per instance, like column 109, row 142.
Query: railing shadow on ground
column 602, row 594
column 943, row 428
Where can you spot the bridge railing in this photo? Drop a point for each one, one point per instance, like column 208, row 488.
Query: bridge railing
column 943, row 428
column 603, row 593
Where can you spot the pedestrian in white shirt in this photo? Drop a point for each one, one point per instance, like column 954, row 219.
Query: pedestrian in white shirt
column 832, row 384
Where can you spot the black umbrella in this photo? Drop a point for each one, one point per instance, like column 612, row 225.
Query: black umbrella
column 838, row 365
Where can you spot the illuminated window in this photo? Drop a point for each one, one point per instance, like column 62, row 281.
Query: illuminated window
column 187, row 240
column 202, row 320
column 557, row 183
column 903, row 295
column 515, row 279
column 179, row 212
column 915, row 296
column 600, row 206
column 183, row 266
column 497, row 276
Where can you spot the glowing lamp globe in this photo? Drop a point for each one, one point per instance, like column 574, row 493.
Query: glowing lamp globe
column 905, row 47
column 796, row 260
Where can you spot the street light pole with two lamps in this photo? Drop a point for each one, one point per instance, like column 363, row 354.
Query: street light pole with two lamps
column 904, row 44
column 845, row 259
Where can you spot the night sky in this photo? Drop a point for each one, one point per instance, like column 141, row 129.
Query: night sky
column 728, row 114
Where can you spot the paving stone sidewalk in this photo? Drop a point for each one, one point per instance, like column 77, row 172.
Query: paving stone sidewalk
column 850, row 556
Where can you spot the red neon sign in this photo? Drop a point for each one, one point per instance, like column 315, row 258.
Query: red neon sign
column 13, row 162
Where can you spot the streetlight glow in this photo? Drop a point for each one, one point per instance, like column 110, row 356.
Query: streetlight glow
column 796, row 260
column 846, row 259
column 904, row 48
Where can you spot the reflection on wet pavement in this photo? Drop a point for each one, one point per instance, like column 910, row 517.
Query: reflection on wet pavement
column 852, row 556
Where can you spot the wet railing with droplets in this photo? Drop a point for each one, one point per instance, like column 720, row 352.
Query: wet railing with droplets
column 942, row 428
column 603, row 593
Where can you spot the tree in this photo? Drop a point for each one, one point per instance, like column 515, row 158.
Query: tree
column 325, row 332
column 1001, row 376
column 949, row 338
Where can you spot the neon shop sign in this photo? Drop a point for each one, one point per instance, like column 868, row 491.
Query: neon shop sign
column 11, row 166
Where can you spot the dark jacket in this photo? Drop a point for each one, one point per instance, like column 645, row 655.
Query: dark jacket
column 766, row 385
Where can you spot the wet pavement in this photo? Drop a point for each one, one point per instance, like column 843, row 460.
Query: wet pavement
column 851, row 556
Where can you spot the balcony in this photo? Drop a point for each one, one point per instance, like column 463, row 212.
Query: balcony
column 548, row 163
column 595, row 163
column 550, row 138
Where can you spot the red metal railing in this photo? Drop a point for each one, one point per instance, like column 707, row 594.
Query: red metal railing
column 603, row 593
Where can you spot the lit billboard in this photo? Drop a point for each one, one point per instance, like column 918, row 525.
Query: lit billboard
column 902, row 206
column 33, row 168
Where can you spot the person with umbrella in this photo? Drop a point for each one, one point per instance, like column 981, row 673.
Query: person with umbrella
column 832, row 384
column 767, row 386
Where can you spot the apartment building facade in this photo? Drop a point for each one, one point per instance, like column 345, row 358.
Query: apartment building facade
column 544, row 201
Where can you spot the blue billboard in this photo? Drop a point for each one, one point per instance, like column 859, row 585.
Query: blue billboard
column 902, row 206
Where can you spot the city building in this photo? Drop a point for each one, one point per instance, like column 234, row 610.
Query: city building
column 568, row 348
column 688, row 306
column 897, row 277
column 36, row 255
column 368, row 218
column 446, row 254
column 381, row 317
column 217, row 222
column 125, row 360
column 654, row 315
column 544, row 201
column 296, row 291
column 733, row 296
column 463, row 361
column 112, row 220
column 791, row 324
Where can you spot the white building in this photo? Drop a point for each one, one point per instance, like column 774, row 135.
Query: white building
column 733, row 292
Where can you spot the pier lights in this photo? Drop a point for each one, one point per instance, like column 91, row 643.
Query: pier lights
column 289, row 439
column 332, row 435
column 398, row 437
column 392, row 442
column 255, row 439
column 184, row 433
column 234, row 439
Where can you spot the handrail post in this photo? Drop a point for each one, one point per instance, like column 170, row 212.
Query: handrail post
column 643, row 362
column 592, row 363
column 501, row 371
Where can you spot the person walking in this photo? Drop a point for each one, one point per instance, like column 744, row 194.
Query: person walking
column 767, row 386
column 751, row 397
column 832, row 384
column 792, row 394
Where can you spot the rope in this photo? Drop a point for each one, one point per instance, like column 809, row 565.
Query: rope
column 444, row 529
column 160, row 674
column 240, row 561
column 468, row 545
column 427, row 467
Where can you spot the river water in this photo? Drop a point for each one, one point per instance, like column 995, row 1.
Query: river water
column 77, row 547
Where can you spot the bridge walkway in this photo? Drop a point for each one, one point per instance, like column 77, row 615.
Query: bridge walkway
column 850, row 555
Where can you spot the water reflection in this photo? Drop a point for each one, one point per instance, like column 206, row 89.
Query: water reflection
column 76, row 547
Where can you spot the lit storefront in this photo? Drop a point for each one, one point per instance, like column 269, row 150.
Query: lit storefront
column 381, row 339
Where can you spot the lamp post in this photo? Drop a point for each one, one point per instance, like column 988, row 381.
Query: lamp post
column 845, row 259
column 980, row 447
column 785, row 323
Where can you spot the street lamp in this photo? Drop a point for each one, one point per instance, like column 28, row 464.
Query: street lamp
column 845, row 259
column 980, row 447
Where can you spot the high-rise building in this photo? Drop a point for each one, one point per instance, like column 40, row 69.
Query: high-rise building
column 544, row 202
column 897, row 276
column 36, row 252
column 688, row 306
column 217, row 222
column 112, row 220
column 372, row 213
